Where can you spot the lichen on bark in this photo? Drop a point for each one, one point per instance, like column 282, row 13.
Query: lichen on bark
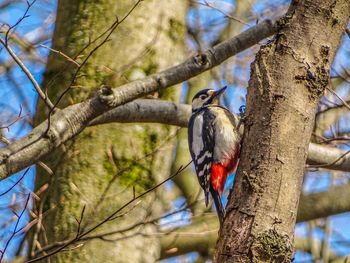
column 271, row 246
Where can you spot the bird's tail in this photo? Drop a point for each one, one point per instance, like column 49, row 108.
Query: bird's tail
column 220, row 209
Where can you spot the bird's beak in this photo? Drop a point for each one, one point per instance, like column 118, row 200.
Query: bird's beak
column 218, row 92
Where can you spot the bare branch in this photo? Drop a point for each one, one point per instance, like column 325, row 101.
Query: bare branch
column 317, row 205
column 24, row 16
column 192, row 66
column 201, row 237
column 339, row 97
column 328, row 157
column 68, row 123
column 179, row 114
column 143, row 110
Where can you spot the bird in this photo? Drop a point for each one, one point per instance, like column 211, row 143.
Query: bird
column 214, row 142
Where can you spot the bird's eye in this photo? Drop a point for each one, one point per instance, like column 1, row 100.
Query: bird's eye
column 202, row 97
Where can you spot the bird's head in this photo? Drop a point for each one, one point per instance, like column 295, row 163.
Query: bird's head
column 206, row 97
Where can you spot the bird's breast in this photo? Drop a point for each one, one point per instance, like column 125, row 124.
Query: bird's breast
column 226, row 139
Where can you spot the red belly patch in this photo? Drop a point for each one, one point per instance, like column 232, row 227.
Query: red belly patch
column 218, row 177
column 220, row 171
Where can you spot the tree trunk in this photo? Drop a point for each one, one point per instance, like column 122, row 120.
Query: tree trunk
column 288, row 77
column 86, row 169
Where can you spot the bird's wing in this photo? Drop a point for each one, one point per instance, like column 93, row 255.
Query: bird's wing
column 201, row 144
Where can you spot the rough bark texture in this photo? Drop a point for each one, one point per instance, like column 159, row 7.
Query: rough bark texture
column 287, row 79
column 149, row 40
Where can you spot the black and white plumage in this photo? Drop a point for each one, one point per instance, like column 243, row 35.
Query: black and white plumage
column 214, row 144
column 202, row 146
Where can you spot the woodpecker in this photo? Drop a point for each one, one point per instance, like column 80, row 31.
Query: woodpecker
column 214, row 143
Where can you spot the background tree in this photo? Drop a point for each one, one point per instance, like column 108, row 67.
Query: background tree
column 99, row 191
column 93, row 170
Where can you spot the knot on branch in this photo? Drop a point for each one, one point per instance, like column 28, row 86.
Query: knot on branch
column 202, row 60
column 53, row 135
column 106, row 95
column 4, row 155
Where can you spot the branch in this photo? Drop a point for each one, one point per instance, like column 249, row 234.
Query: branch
column 137, row 111
column 317, row 205
column 67, row 123
column 164, row 112
column 306, row 245
column 26, row 71
column 143, row 110
column 201, row 237
column 328, row 157
column 192, row 66
column 5, row 43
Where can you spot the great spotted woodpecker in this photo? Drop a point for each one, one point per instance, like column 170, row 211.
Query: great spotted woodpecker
column 214, row 143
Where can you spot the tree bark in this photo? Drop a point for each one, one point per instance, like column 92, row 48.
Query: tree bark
column 288, row 77
column 86, row 169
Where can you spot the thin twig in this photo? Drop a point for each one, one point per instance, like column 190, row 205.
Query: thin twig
column 15, row 230
column 205, row 3
column 340, row 98
column 111, row 30
column 16, row 183
column 25, row 15
column 111, row 216
column 102, row 236
column 80, row 220
column 19, row 117
column 28, row 74
column 61, row 54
